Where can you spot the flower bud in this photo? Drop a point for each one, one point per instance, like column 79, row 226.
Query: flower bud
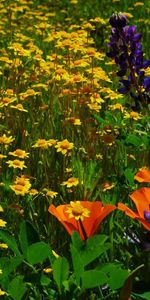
column 118, row 20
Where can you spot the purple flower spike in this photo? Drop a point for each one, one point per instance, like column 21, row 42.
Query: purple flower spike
column 126, row 49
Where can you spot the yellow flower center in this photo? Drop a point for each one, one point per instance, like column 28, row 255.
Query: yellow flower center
column 77, row 211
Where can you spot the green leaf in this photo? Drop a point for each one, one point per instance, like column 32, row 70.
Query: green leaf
column 60, row 271
column 93, row 278
column 9, row 265
column 45, row 280
column 27, row 235
column 92, row 248
column 10, row 241
column 129, row 176
column 133, row 140
column 17, row 288
column 145, row 296
column 117, row 278
column 77, row 263
column 37, row 253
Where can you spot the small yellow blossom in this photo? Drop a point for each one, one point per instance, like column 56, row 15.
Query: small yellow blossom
column 19, row 107
column 73, row 121
column 64, row 146
column 51, row 194
column 19, row 153
column 2, row 156
column 3, row 246
column 2, row 223
column 1, row 209
column 2, row 293
column 6, row 139
column 16, row 164
column 21, row 185
column 44, row 144
column 48, row 270
column 77, row 211
column 107, row 186
column 72, row 181
column 33, row 192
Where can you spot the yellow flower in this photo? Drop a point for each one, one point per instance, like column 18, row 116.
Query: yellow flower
column 2, row 293
column 33, row 192
column 116, row 106
column 72, row 181
column 132, row 115
column 2, row 223
column 73, row 121
column 1, row 209
column 51, row 194
column 6, row 139
column 48, row 270
column 44, row 144
column 107, row 186
column 19, row 107
column 2, row 156
column 3, row 246
column 16, row 164
column 64, row 146
column 21, row 185
column 19, row 153
column 77, row 211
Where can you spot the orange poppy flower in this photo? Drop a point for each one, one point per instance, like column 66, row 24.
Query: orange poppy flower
column 81, row 216
column 143, row 175
column 141, row 198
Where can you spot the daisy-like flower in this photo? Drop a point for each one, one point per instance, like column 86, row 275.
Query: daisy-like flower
column 64, row 146
column 72, row 181
column 44, row 144
column 51, row 194
column 2, row 223
column 33, row 192
column 143, row 175
column 73, row 121
column 107, row 186
column 21, row 185
column 19, row 153
column 141, row 199
column 81, row 216
column 19, row 107
column 16, row 164
column 77, row 211
column 6, row 139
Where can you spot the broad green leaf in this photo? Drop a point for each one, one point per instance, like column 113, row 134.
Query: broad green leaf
column 77, row 263
column 37, row 253
column 60, row 271
column 17, row 288
column 117, row 278
column 9, row 265
column 93, row 278
column 93, row 248
column 10, row 241
column 27, row 235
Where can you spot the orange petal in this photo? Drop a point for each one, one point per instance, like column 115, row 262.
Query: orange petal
column 143, row 175
column 129, row 212
column 141, row 198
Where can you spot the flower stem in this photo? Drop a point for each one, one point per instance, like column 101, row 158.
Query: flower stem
column 83, row 230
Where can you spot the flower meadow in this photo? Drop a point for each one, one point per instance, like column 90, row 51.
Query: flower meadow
column 74, row 150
